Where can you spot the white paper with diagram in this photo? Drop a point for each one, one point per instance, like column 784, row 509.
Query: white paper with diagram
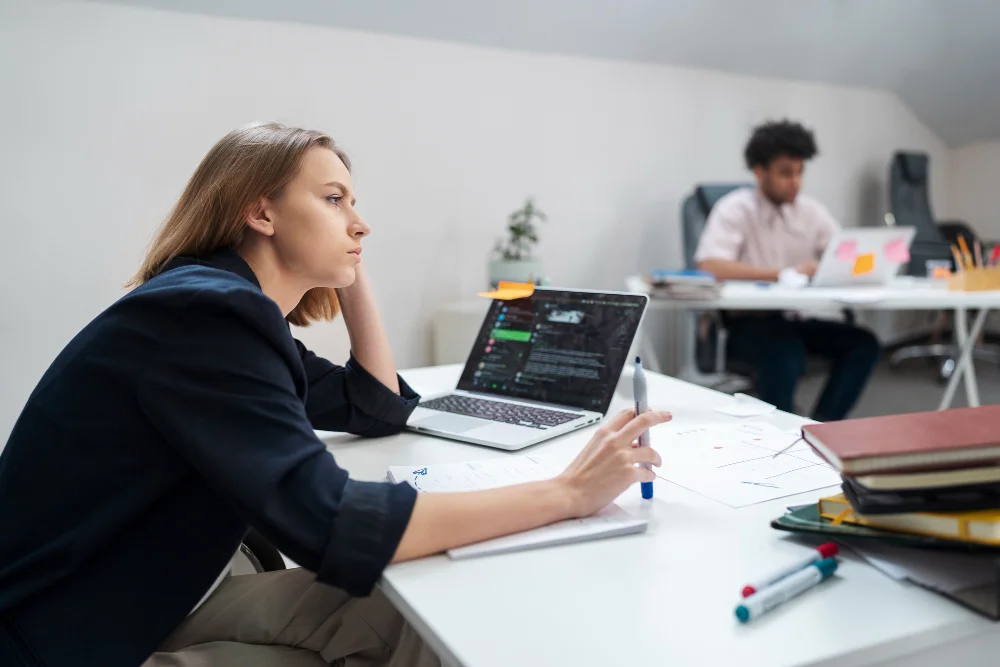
column 736, row 465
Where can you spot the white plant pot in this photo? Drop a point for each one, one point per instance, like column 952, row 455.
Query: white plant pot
column 519, row 271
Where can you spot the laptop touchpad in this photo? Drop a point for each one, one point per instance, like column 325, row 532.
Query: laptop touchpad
column 450, row 423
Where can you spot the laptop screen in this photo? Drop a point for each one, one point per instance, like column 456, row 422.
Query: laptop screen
column 555, row 346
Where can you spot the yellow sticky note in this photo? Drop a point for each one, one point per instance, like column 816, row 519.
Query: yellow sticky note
column 864, row 264
column 506, row 291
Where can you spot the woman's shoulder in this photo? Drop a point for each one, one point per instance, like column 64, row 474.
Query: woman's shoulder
column 195, row 284
column 198, row 299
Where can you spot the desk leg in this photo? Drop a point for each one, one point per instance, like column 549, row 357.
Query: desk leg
column 964, row 365
column 967, row 347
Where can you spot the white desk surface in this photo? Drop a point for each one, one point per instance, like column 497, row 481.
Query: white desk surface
column 902, row 294
column 665, row 597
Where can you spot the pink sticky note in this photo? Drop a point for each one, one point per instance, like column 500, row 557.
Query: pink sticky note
column 896, row 251
column 846, row 251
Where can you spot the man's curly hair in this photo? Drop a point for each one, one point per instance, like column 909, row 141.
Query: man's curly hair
column 775, row 139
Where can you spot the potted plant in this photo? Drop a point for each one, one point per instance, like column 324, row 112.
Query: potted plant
column 512, row 258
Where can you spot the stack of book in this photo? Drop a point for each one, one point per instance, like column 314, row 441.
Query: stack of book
column 686, row 284
column 930, row 473
column 920, row 501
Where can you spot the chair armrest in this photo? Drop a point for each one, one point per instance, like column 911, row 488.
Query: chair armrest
column 266, row 554
column 921, row 252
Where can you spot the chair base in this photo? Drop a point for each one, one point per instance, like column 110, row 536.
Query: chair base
column 946, row 352
column 921, row 352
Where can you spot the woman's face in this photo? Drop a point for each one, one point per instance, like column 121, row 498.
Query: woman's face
column 317, row 233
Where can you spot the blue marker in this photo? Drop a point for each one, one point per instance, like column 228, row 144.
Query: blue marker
column 642, row 406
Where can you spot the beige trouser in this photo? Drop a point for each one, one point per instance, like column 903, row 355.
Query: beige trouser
column 286, row 618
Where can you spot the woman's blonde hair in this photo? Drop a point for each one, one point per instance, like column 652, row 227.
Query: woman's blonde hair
column 250, row 163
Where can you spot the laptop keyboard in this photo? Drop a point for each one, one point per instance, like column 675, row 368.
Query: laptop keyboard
column 508, row 413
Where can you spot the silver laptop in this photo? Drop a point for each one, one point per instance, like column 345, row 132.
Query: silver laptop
column 863, row 256
column 540, row 367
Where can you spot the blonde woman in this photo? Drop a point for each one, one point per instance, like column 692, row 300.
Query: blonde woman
column 184, row 414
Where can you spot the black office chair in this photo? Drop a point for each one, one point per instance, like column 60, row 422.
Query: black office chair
column 261, row 554
column 707, row 329
column 909, row 201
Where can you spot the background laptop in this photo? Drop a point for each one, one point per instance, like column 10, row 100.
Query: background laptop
column 540, row 367
column 838, row 267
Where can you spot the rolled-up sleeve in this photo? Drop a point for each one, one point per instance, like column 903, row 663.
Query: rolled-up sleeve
column 349, row 398
column 223, row 394
column 351, row 558
column 724, row 233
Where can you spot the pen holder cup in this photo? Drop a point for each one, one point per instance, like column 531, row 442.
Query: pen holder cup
column 975, row 280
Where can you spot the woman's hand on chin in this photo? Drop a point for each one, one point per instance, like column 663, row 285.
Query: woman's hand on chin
column 369, row 344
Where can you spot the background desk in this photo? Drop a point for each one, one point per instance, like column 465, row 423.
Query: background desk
column 903, row 294
column 663, row 598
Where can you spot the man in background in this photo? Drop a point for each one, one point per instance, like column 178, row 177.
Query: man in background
column 759, row 233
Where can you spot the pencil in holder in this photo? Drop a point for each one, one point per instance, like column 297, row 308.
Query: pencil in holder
column 975, row 280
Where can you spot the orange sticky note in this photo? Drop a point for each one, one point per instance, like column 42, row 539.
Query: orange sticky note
column 941, row 272
column 506, row 291
column 864, row 264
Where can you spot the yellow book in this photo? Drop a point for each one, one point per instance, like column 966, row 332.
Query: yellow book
column 981, row 526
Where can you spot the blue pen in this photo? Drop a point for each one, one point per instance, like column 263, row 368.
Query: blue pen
column 642, row 406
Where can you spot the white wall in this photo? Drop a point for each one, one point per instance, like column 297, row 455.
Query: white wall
column 107, row 110
column 974, row 192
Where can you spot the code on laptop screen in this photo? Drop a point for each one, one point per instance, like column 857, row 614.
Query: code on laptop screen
column 555, row 346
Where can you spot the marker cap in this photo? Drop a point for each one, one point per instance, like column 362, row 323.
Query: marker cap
column 828, row 550
column 742, row 613
column 826, row 567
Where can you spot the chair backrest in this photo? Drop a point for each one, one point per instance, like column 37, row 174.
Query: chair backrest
column 694, row 214
column 909, row 196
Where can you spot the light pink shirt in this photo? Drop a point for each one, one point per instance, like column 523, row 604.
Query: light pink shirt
column 745, row 226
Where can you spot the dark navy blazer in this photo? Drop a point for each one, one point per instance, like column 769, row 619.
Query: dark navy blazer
column 180, row 416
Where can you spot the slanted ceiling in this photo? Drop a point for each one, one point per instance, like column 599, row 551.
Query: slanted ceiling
column 941, row 57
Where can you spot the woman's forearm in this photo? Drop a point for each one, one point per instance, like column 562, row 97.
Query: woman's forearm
column 442, row 521
column 598, row 474
column 369, row 343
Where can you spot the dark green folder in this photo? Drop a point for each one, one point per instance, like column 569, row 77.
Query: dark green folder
column 806, row 519
column 984, row 599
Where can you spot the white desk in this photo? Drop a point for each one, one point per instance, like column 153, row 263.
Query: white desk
column 902, row 294
column 662, row 598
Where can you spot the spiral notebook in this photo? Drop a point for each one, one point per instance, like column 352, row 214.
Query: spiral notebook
column 473, row 476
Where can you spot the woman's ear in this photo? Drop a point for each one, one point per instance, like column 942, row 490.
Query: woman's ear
column 259, row 217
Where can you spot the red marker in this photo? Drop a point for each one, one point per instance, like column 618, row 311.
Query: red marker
column 828, row 550
column 995, row 254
